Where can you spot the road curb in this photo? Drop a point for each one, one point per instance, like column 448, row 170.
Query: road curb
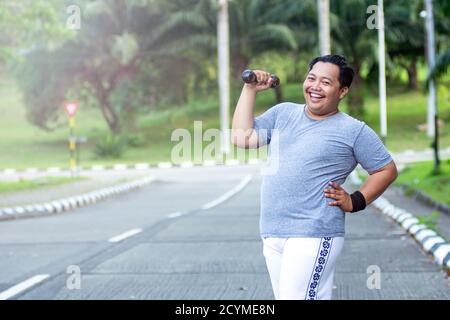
column 71, row 203
column 137, row 166
column 428, row 239
column 206, row 163
column 426, row 199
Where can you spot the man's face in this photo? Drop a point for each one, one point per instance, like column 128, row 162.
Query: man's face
column 322, row 90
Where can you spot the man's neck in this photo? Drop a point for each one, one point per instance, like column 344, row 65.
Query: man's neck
column 320, row 117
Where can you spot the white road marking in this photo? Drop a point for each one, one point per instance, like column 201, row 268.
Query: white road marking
column 24, row 285
column 164, row 165
column 125, row 235
column 229, row 194
column 175, row 214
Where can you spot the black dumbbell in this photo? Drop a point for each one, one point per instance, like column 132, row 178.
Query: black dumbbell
column 248, row 76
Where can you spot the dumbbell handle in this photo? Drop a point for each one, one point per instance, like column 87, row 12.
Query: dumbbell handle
column 248, row 76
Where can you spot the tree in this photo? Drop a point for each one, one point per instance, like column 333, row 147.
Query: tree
column 353, row 39
column 258, row 26
column 188, row 42
column 28, row 25
column 440, row 67
column 113, row 57
column 405, row 37
column 442, row 21
column 103, row 53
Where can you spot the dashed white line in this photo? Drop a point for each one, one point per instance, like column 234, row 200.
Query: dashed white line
column 229, row 194
column 208, row 205
column 175, row 214
column 24, row 285
column 125, row 235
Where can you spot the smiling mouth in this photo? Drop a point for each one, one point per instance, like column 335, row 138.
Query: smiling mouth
column 315, row 97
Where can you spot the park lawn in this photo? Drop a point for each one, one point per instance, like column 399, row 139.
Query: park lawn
column 419, row 176
column 41, row 182
column 405, row 112
column 23, row 145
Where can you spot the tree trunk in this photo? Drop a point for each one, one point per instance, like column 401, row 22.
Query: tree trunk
column 412, row 75
column 239, row 63
column 278, row 94
column 108, row 112
column 356, row 98
column 411, row 69
column 110, row 115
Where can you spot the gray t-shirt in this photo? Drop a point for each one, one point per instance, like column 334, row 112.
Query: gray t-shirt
column 311, row 153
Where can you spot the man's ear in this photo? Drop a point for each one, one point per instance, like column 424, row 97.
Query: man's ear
column 343, row 92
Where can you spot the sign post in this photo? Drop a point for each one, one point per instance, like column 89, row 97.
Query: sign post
column 71, row 109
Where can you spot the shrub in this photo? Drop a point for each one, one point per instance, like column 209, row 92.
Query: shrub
column 110, row 146
column 135, row 140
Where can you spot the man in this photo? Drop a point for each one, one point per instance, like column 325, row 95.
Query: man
column 303, row 205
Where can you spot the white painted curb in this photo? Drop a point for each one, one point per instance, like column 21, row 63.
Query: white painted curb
column 137, row 166
column 70, row 203
column 427, row 238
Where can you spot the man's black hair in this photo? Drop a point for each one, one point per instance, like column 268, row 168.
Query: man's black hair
column 345, row 71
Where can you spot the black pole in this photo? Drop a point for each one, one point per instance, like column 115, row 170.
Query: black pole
column 436, row 143
column 77, row 148
column 71, row 151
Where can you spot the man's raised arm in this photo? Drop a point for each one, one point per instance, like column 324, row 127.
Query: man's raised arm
column 243, row 135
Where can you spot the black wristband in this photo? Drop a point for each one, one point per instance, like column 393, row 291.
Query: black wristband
column 358, row 201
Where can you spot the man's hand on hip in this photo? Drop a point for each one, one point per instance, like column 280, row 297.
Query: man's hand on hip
column 341, row 197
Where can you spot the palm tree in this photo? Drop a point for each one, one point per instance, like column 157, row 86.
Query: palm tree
column 189, row 38
column 440, row 66
column 442, row 24
column 117, row 59
column 262, row 25
column 353, row 39
column 405, row 36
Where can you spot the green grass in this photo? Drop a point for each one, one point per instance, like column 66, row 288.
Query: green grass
column 23, row 145
column 420, row 176
column 430, row 220
column 22, row 185
column 405, row 112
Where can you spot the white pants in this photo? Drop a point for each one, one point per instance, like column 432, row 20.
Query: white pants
column 302, row 268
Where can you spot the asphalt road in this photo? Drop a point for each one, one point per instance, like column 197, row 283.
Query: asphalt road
column 193, row 234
